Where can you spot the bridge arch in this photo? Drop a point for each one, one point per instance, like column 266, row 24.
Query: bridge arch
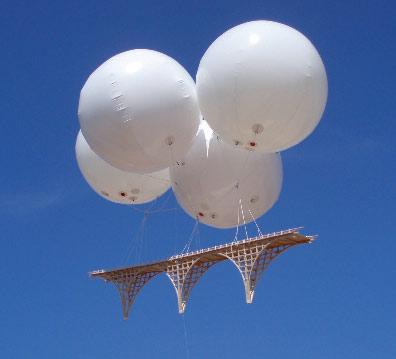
column 184, row 276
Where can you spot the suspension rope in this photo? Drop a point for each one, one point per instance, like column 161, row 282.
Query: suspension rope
column 243, row 216
column 160, row 208
column 186, row 337
column 188, row 244
column 136, row 241
column 136, row 244
column 257, row 226
column 167, row 198
column 241, row 175
column 237, row 228
column 142, row 243
column 175, row 219
column 196, row 235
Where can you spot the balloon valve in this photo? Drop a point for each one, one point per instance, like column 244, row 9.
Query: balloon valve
column 170, row 140
column 254, row 199
column 257, row 128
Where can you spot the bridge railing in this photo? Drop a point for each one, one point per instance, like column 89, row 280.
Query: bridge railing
column 252, row 239
column 214, row 248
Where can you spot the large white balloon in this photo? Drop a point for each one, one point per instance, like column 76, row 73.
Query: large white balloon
column 215, row 176
column 262, row 85
column 116, row 185
column 139, row 111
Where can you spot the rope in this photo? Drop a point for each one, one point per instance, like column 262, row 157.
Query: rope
column 160, row 208
column 156, row 210
column 188, row 244
column 243, row 216
column 198, row 236
column 141, row 242
column 176, row 231
column 186, row 338
column 167, row 198
column 237, row 228
column 136, row 241
column 240, row 176
column 258, row 228
column 136, row 244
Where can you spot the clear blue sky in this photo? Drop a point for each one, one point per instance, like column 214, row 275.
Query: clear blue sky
column 333, row 299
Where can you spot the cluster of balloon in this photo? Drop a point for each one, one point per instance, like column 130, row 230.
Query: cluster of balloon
column 261, row 87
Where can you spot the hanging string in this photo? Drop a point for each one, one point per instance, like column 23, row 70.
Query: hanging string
column 156, row 210
column 136, row 241
column 243, row 216
column 188, row 244
column 152, row 208
column 173, row 162
column 237, row 228
column 198, row 236
column 136, row 244
column 254, row 220
column 141, row 242
column 166, row 200
column 195, row 231
column 240, row 174
column 176, row 232
column 186, row 338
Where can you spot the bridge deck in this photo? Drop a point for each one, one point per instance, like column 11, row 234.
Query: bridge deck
column 251, row 256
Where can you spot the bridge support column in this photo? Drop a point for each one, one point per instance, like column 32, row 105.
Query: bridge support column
column 252, row 262
column 184, row 275
column 129, row 286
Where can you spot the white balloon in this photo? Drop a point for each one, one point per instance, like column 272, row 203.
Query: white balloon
column 262, row 85
column 116, row 185
column 139, row 111
column 215, row 176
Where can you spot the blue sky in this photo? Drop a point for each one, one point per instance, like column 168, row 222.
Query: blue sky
column 332, row 299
